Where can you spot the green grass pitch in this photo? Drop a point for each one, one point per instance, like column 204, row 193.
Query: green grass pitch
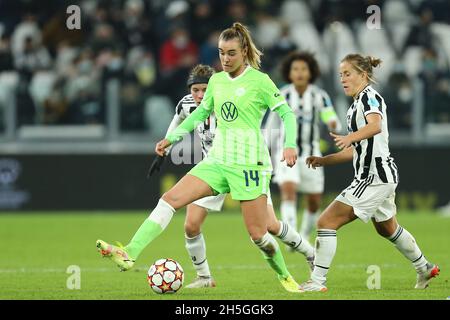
column 38, row 247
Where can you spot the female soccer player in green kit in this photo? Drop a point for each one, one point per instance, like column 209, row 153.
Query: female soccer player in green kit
column 238, row 161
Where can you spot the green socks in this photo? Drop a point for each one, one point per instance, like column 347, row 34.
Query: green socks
column 152, row 227
column 272, row 253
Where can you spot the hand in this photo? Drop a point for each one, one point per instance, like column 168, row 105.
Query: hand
column 290, row 155
column 161, row 146
column 156, row 165
column 314, row 162
column 342, row 142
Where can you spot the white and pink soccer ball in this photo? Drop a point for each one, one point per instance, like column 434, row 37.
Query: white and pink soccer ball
column 165, row 276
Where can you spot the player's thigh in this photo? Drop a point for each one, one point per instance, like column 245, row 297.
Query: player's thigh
column 187, row 190
column 195, row 216
column 335, row 216
column 255, row 217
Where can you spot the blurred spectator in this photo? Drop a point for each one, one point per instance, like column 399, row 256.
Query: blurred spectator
column 202, row 23
column 209, row 53
column 236, row 10
column 137, row 27
column 438, row 107
column 421, row 33
column 268, row 30
column 439, row 8
column 399, row 95
column 55, row 105
column 32, row 57
column 6, row 60
column 178, row 52
column 132, row 107
column 27, row 28
column 430, row 70
column 141, row 67
column 274, row 54
column 103, row 38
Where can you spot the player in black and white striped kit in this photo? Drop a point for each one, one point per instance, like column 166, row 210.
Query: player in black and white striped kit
column 371, row 195
column 312, row 106
column 197, row 211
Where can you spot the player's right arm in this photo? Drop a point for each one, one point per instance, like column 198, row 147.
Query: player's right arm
column 191, row 122
column 177, row 118
column 335, row 158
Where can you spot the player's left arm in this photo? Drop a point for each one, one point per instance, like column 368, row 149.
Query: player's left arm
column 276, row 102
column 328, row 114
column 372, row 128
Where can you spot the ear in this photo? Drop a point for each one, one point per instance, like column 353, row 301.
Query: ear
column 365, row 75
column 244, row 52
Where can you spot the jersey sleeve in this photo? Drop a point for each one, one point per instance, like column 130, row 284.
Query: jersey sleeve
column 327, row 111
column 371, row 103
column 290, row 125
column 177, row 118
column 271, row 131
column 202, row 112
column 271, row 94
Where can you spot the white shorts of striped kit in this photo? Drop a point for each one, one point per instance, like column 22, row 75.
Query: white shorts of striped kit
column 370, row 200
column 215, row 203
column 309, row 181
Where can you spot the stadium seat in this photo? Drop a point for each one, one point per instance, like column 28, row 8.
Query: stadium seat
column 412, row 60
column 293, row 11
column 442, row 32
column 338, row 40
column 8, row 85
column 306, row 37
column 375, row 42
column 158, row 113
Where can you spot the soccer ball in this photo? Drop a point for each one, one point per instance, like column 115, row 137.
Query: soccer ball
column 165, row 276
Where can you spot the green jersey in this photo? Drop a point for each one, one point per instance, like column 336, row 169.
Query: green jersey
column 239, row 105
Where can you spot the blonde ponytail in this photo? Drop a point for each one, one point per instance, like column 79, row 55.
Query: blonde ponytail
column 241, row 32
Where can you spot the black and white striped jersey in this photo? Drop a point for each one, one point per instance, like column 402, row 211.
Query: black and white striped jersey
column 310, row 109
column 371, row 157
column 205, row 130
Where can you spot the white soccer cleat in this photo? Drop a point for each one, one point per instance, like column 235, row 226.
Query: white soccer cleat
column 424, row 278
column 202, row 282
column 313, row 286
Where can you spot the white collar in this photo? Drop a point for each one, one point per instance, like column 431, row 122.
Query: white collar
column 243, row 72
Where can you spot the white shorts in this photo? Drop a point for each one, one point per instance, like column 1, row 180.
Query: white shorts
column 309, row 181
column 215, row 203
column 212, row 203
column 373, row 201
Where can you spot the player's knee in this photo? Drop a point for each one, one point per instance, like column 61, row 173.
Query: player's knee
column 172, row 199
column 313, row 205
column 384, row 232
column 257, row 234
column 191, row 229
column 266, row 244
column 273, row 226
column 324, row 223
column 289, row 196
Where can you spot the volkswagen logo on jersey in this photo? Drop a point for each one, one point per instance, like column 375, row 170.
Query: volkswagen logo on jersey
column 229, row 111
